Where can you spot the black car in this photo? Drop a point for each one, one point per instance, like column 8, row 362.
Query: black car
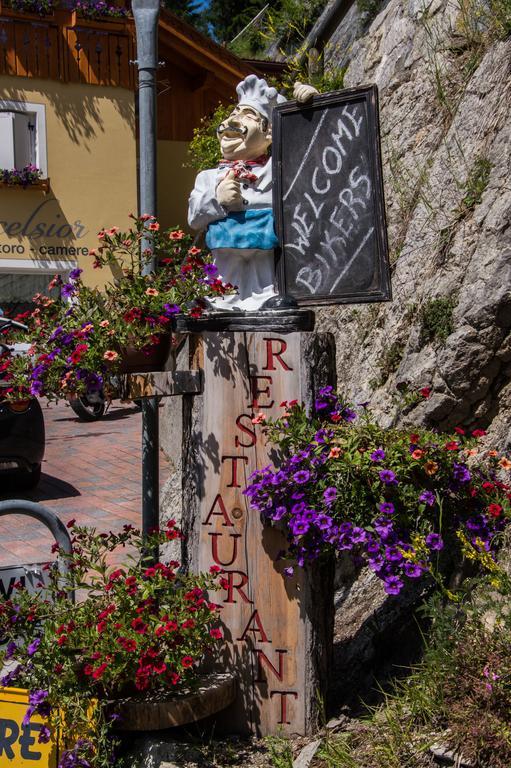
column 22, row 438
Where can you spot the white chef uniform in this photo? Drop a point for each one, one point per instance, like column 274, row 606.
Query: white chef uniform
column 242, row 242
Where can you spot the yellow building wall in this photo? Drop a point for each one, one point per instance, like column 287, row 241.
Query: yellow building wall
column 91, row 154
column 175, row 182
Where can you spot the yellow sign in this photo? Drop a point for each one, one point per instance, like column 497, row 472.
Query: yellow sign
column 19, row 746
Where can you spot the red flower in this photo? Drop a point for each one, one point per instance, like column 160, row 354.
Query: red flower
column 452, row 446
column 216, row 633
column 127, row 644
column 62, row 640
column 215, row 569
column 88, row 669
column 186, row 661
column 495, row 510
column 174, row 678
column 487, row 486
column 139, row 626
column 478, row 433
column 71, row 523
column 101, row 626
column 188, row 624
column 459, row 430
column 98, row 672
column 425, row 392
column 171, row 626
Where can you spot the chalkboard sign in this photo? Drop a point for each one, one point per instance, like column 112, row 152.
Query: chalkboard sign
column 328, row 199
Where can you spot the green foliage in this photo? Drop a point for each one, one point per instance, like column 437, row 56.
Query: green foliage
column 279, row 751
column 436, row 319
column 389, row 363
column 204, row 149
column 189, row 10
column 474, row 187
column 228, row 17
column 459, row 695
column 369, row 9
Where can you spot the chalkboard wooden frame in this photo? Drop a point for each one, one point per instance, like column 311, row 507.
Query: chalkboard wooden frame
column 381, row 291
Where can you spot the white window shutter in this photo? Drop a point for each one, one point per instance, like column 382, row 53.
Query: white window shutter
column 23, row 139
column 7, row 159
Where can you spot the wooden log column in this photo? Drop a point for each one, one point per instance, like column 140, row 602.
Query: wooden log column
column 278, row 629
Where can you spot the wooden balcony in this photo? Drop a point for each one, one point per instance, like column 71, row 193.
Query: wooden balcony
column 62, row 46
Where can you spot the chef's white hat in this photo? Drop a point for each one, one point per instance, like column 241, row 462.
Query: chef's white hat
column 255, row 92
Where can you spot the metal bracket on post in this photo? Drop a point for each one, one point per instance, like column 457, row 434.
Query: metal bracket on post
column 146, row 14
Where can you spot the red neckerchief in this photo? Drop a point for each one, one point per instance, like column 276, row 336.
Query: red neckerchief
column 242, row 168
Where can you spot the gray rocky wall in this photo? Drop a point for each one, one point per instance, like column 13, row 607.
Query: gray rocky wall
column 444, row 83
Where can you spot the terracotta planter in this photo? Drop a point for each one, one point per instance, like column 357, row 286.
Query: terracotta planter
column 156, row 712
column 138, row 361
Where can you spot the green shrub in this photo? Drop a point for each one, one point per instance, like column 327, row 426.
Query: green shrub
column 204, row 148
column 436, row 319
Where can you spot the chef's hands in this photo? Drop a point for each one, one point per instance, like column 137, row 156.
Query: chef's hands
column 228, row 193
column 303, row 92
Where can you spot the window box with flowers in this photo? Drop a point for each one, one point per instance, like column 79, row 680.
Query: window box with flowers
column 137, row 633
column 29, row 177
column 66, row 13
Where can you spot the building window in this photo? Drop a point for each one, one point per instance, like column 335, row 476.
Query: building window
column 23, row 136
column 20, row 279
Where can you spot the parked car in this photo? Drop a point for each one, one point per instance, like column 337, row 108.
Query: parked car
column 22, row 436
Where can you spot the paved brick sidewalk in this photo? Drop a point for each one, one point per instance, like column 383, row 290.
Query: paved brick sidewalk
column 91, row 471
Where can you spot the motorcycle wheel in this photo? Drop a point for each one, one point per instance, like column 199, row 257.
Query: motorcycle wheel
column 87, row 411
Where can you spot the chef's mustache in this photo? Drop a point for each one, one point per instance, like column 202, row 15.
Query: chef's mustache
column 229, row 127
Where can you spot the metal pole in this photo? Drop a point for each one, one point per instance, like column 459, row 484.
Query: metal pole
column 145, row 13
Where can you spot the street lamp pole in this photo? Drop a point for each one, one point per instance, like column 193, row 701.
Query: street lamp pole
column 146, row 13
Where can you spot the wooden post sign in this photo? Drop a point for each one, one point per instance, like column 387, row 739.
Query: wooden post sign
column 328, row 199
column 278, row 629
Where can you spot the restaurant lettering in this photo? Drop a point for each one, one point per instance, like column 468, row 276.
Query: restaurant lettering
column 250, row 625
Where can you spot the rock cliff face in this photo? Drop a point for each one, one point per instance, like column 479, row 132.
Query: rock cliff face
column 443, row 71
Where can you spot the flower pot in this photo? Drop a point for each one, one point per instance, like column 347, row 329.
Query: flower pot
column 157, row 711
column 144, row 361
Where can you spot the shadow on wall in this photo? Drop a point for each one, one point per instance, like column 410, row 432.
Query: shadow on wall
column 79, row 107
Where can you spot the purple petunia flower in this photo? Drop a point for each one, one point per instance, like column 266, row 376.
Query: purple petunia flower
column 210, row 269
column 377, row 455
column 298, row 508
column 36, row 388
column 358, row 535
column 428, row 497
column 67, row 290
column 387, row 508
column 348, row 415
column 434, row 541
column 461, row 473
column 330, row 494
column 301, row 476
column 413, row 570
column 299, row 527
column 393, row 585
column 387, row 476
column 171, row 309
column 393, row 555
column 34, row 645
column 279, row 513
column 10, row 650
column 75, row 274
column 44, row 735
column 324, row 522
column 289, row 571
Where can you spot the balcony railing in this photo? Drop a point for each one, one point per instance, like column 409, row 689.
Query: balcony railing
column 64, row 46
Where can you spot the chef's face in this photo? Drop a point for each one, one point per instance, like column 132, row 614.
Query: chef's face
column 245, row 134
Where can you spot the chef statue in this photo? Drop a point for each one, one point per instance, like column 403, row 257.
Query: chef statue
column 233, row 202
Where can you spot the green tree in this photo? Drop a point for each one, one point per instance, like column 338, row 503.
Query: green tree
column 228, row 17
column 190, row 11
